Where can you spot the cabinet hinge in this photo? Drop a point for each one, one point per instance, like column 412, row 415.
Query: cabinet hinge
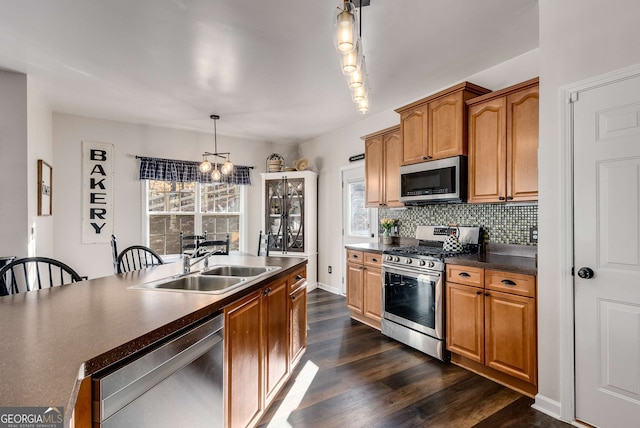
column 573, row 97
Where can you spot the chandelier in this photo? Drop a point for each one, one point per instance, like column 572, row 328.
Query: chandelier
column 206, row 166
column 348, row 42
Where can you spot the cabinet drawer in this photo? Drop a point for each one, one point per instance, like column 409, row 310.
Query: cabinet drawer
column 373, row 259
column 297, row 278
column 513, row 283
column 355, row 256
column 465, row 275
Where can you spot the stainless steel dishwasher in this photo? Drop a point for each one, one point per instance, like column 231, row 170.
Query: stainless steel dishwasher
column 178, row 384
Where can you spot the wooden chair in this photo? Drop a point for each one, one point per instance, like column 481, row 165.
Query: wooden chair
column 265, row 243
column 137, row 257
column 220, row 247
column 189, row 243
column 30, row 272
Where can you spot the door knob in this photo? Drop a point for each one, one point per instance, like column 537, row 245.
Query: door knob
column 585, row 273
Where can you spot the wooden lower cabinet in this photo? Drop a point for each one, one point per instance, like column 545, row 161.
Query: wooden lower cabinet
column 491, row 325
column 364, row 287
column 265, row 335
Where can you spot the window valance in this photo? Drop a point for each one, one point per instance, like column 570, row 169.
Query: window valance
column 187, row 171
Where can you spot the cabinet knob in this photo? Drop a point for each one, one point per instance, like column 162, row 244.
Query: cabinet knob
column 509, row 198
column 478, row 292
column 298, row 277
column 487, row 294
column 374, row 259
column 425, row 157
column 508, row 282
column 464, row 275
column 293, row 297
column 501, row 198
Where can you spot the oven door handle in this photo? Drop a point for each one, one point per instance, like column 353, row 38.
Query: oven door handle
column 410, row 272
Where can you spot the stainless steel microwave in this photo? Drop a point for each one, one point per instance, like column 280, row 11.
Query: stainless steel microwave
column 438, row 181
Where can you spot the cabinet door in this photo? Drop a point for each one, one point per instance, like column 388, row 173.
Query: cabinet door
column 522, row 145
column 487, row 151
column 244, row 354
column 275, row 208
column 298, row 323
column 414, row 126
column 510, row 323
column 374, row 168
column 355, row 278
column 276, row 366
column 465, row 321
column 446, row 127
column 294, row 214
column 392, row 160
column 372, row 305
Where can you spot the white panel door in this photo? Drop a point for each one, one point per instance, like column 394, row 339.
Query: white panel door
column 607, row 240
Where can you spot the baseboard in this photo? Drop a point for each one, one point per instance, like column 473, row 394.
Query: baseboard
column 328, row 288
column 548, row 406
column 311, row 287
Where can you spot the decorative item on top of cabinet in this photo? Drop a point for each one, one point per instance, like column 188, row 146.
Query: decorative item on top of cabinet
column 436, row 127
column 503, row 145
column 491, row 325
column 383, row 156
column 364, row 287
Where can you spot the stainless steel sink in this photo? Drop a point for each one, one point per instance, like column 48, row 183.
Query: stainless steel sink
column 245, row 271
column 218, row 280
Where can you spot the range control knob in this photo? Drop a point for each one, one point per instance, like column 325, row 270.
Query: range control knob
column 408, row 261
column 431, row 264
column 422, row 262
column 388, row 258
column 396, row 259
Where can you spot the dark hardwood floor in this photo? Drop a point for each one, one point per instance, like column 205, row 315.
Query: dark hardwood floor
column 352, row 376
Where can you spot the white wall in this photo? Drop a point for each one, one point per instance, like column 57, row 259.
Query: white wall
column 39, row 129
column 578, row 39
column 14, row 186
column 130, row 140
column 331, row 151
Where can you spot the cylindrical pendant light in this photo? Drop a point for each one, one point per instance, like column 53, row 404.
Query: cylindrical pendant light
column 352, row 61
column 358, row 94
column 345, row 27
column 363, row 105
column 356, row 79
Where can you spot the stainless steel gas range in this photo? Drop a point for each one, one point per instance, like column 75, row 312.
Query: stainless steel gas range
column 413, row 287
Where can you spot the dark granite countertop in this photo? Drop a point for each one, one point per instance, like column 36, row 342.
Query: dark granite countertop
column 520, row 260
column 53, row 338
column 509, row 263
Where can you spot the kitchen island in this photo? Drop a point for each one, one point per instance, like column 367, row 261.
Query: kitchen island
column 55, row 338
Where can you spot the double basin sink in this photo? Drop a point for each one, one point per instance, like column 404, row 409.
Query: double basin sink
column 217, row 280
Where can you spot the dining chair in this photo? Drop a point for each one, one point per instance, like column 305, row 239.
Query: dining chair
column 219, row 247
column 265, row 243
column 189, row 243
column 31, row 273
column 137, row 257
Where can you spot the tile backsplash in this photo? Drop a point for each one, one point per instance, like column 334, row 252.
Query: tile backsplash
column 501, row 223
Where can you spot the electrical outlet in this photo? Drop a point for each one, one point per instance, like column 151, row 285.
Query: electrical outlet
column 533, row 234
column 329, row 269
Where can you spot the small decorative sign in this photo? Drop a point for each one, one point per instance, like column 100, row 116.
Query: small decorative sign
column 97, row 192
column 32, row 417
column 356, row 157
column 45, row 188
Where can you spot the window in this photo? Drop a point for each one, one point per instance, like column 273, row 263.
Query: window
column 193, row 208
column 358, row 213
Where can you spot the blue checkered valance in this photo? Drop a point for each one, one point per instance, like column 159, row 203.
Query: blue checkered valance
column 187, row 171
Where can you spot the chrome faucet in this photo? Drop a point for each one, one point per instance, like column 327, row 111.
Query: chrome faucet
column 190, row 260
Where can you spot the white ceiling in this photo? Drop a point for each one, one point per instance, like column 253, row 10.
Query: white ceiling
column 268, row 67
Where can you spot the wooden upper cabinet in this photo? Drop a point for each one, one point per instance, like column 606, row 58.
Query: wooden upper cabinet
column 383, row 155
column 435, row 127
column 414, row 129
column 392, row 162
column 522, row 144
column 487, row 151
column 374, row 168
column 503, row 145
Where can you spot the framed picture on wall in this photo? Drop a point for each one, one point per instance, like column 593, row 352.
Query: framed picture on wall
column 45, row 188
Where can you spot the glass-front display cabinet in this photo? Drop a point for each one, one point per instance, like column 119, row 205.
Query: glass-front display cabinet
column 290, row 213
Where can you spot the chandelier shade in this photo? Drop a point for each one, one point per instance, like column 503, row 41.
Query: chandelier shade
column 346, row 28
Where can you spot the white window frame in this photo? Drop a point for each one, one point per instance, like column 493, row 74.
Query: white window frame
column 242, row 226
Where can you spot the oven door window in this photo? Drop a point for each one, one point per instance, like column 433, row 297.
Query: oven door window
column 411, row 298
